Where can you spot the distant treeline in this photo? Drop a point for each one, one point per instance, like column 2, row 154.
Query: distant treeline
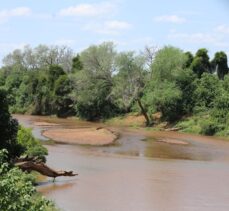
column 100, row 82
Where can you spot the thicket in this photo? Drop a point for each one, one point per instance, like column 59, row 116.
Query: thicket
column 17, row 192
column 100, row 82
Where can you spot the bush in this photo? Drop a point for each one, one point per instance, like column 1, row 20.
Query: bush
column 16, row 190
column 190, row 125
column 164, row 97
column 209, row 127
column 32, row 145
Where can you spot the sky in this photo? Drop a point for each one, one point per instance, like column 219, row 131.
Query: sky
column 130, row 24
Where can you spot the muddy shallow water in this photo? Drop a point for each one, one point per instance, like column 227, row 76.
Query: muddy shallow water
column 138, row 172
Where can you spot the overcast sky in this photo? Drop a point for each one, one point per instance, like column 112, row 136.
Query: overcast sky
column 130, row 24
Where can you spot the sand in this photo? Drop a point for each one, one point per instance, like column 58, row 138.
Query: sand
column 84, row 136
column 172, row 141
column 45, row 124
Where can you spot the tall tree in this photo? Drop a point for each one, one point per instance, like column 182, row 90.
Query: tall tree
column 76, row 63
column 219, row 64
column 189, row 59
column 163, row 93
column 129, row 82
column 8, row 128
column 94, row 82
column 200, row 63
column 41, row 56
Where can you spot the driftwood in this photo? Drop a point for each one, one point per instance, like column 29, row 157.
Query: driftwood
column 31, row 164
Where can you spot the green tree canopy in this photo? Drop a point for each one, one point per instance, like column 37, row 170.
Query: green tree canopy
column 8, row 128
column 200, row 63
column 94, row 83
column 219, row 64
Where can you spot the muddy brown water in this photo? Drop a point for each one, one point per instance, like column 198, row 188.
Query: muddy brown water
column 137, row 173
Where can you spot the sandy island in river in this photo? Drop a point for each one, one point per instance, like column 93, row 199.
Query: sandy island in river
column 86, row 136
column 172, row 141
column 44, row 124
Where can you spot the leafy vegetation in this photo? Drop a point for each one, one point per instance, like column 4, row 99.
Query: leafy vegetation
column 33, row 147
column 100, row 83
column 17, row 192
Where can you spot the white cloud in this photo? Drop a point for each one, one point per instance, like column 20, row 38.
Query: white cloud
column 117, row 25
column 223, row 29
column 170, row 19
column 215, row 39
column 16, row 12
column 20, row 11
column 88, row 10
column 108, row 27
column 194, row 37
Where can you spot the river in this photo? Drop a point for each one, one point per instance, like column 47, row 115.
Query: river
column 139, row 173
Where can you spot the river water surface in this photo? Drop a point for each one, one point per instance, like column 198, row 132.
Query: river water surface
column 139, row 172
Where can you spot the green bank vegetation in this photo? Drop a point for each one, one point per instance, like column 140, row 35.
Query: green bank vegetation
column 17, row 192
column 99, row 83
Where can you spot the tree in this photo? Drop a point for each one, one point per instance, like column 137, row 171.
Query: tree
column 33, row 147
column 2, row 78
column 40, row 57
column 8, row 128
column 185, row 81
column 219, row 64
column 149, row 54
column 94, row 82
column 165, row 98
column 129, row 82
column 200, row 63
column 163, row 93
column 53, row 73
column 17, row 192
column 207, row 89
column 189, row 59
column 63, row 99
column 167, row 62
column 76, row 63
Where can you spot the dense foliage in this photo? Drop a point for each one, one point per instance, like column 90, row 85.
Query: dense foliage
column 17, row 192
column 32, row 146
column 100, row 82
column 8, row 128
column 14, row 138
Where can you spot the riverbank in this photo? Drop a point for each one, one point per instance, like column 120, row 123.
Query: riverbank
column 197, row 125
column 106, row 133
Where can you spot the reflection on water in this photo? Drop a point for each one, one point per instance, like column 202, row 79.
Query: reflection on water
column 49, row 186
column 126, row 176
column 122, row 183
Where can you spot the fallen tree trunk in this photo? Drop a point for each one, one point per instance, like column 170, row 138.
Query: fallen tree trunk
column 28, row 164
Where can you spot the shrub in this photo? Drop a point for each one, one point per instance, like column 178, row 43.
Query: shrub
column 32, row 145
column 16, row 190
column 209, row 127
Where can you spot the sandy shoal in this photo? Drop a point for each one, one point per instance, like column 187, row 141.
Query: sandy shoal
column 172, row 141
column 45, row 124
column 85, row 136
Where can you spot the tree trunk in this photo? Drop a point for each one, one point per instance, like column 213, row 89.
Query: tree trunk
column 27, row 164
column 148, row 122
